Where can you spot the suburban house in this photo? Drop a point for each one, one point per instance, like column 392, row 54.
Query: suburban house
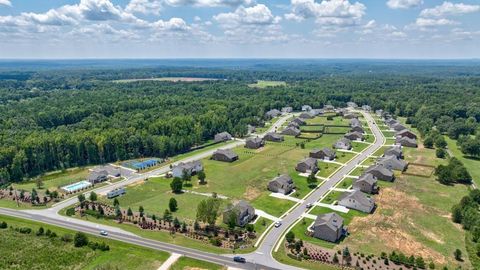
column 329, row 108
column 343, row 143
column 355, row 122
column 244, row 213
column 391, row 122
column 366, row 183
column 116, row 192
column 254, row 143
column 299, row 121
column 398, row 127
column 281, row 184
column 307, row 165
column 291, row 131
column 273, row 113
column 251, row 129
column 293, row 124
column 379, row 112
column 341, row 111
column 354, row 136
column 352, row 104
column 380, row 172
column 393, row 151
column 366, row 108
column 226, row 155
column 325, row 153
column 273, row 137
column 393, row 163
column 406, row 133
column 317, row 112
column 328, row 227
column 349, row 116
column 190, row 168
column 407, row 142
column 358, row 129
column 222, row 137
column 287, row 109
column 307, row 115
column 306, row 108
column 357, row 200
column 97, row 176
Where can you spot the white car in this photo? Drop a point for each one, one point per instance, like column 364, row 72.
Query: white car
column 103, row 233
column 278, row 224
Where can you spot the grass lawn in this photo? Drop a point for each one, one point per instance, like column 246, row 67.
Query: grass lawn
column 341, row 130
column 259, row 226
column 326, row 169
column 381, row 151
column 318, row 129
column 154, row 196
column 472, row 164
column 389, row 141
column 369, row 161
column 186, row 263
column 346, row 182
column 343, row 157
column 327, row 140
column 388, row 134
column 359, row 147
column 194, row 152
column 369, row 138
column 337, row 121
column 265, row 84
column 271, row 205
column 57, row 179
column 331, row 197
column 357, row 171
column 27, row 251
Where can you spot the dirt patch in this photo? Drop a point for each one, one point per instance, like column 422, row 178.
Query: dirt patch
column 251, row 193
column 417, row 170
column 391, row 231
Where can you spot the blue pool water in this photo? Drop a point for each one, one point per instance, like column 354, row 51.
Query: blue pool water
column 76, row 186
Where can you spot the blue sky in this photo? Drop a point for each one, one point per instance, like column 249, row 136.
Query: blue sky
column 239, row 28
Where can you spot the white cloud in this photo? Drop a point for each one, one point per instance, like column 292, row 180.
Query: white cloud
column 251, row 24
column 423, row 22
column 6, row 2
column 327, row 12
column 449, row 8
column 145, row 6
column 209, row 3
column 403, row 4
column 258, row 14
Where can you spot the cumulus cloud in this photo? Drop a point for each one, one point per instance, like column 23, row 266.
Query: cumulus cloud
column 424, row 22
column 247, row 24
column 403, row 4
column 449, row 8
column 327, row 12
column 6, row 2
column 209, row 3
column 145, row 6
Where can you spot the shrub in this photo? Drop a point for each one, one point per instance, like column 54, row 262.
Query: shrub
column 80, row 239
column 25, row 230
column 216, row 241
column 40, row 231
column 70, row 212
column 67, row 238
column 3, row 225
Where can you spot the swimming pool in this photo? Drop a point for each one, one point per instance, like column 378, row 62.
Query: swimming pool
column 77, row 186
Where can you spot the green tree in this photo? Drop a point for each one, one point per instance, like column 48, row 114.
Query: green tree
column 312, row 180
column 116, row 202
column 129, row 212
column 172, row 205
column 93, row 196
column 81, row 199
column 290, row 237
column 80, row 239
column 167, row 216
column 141, row 211
column 457, row 254
column 428, row 142
column 201, row 177
column 440, row 153
column 176, row 185
column 39, row 183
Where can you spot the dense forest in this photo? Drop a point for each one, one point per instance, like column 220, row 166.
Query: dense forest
column 54, row 119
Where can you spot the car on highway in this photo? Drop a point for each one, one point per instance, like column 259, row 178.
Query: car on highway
column 239, row 259
column 309, row 205
column 103, row 233
column 278, row 224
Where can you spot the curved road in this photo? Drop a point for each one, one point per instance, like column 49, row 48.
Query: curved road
column 260, row 259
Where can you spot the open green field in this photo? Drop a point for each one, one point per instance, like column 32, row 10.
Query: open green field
column 327, row 140
column 265, row 84
column 337, row 121
column 337, row 130
column 154, row 196
column 472, row 164
column 56, row 179
column 186, row 263
column 27, row 251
